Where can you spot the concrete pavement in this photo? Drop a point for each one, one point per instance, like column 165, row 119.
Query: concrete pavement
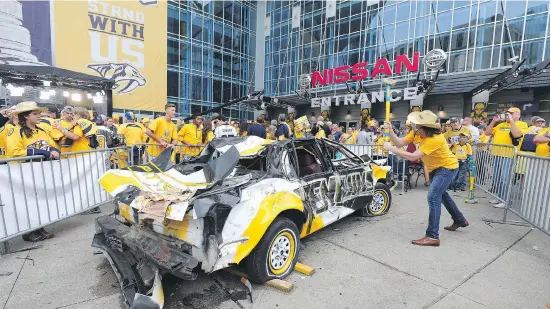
column 360, row 263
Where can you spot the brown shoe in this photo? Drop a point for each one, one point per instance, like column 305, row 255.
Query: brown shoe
column 456, row 225
column 426, row 241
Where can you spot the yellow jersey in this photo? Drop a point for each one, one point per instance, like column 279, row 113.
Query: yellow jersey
column 133, row 132
column 462, row 151
column 84, row 129
column 502, row 136
column 452, row 136
column 542, row 150
column 436, row 150
column 46, row 124
column 64, row 143
column 165, row 131
column 320, row 134
column 19, row 145
column 210, row 137
column 191, row 135
column 4, row 138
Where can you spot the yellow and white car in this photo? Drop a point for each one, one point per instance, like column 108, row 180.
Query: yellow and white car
column 243, row 200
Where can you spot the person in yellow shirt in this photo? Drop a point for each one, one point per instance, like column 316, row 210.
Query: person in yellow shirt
column 462, row 151
column 542, row 143
column 321, row 132
column 62, row 130
column 507, row 132
column 28, row 139
column 191, row 135
column 452, row 136
column 347, row 137
column 208, row 134
column 442, row 165
column 12, row 123
column 48, row 118
column 134, row 133
column 163, row 132
column 85, row 130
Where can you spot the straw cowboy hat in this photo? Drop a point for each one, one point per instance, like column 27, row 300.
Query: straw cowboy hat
column 425, row 118
column 28, row 106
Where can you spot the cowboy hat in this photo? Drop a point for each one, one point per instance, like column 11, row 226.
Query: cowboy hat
column 28, row 106
column 425, row 118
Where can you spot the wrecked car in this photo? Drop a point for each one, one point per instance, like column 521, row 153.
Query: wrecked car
column 243, row 200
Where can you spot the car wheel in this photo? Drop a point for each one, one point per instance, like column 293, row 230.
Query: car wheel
column 276, row 254
column 380, row 204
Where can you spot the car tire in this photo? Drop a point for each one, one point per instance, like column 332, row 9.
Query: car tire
column 380, row 203
column 276, row 254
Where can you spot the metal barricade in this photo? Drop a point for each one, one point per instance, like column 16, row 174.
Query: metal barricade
column 399, row 166
column 519, row 181
column 35, row 192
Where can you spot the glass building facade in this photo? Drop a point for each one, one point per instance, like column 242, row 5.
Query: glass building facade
column 211, row 54
column 476, row 35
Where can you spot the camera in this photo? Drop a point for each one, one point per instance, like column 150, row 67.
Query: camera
column 502, row 116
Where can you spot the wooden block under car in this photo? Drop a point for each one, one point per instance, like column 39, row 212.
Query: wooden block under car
column 304, row 269
column 281, row 285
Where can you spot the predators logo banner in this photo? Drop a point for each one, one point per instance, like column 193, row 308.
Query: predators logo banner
column 120, row 40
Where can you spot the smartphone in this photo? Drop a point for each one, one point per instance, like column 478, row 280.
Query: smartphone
column 502, row 116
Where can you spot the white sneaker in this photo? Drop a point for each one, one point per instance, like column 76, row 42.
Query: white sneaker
column 494, row 202
column 500, row 205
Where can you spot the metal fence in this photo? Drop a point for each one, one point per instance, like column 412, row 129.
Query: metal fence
column 145, row 152
column 35, row 192
column 519, row 181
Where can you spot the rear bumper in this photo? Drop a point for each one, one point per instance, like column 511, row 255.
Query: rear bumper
column 114, row 237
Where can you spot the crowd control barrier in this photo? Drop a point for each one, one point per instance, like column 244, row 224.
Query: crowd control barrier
column 519, row 181
column 36, row 192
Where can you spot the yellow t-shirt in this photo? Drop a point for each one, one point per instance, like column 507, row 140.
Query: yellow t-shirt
column 484, row 138
column 452, row 136
column 133, row 132
column 4, row 138
column 462, row 151
column 190, row 134
column 436, row 150
column 542, row 150
column 84, row 129
column 210, row 137
column 321, row 133
column 502, row 137
column 268, row 136
column 19, row 145
column 164, row 130
column 60, row 138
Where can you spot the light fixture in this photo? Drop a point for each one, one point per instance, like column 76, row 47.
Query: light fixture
column 47, row 83
column 15, row 91
column 66, row 94
column 440, row 108
column 98, row 99
column 76, row 97
column 89, row 95
column 44, row 95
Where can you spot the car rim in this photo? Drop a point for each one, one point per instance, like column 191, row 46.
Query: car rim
column 282, row 252
column 379, row 202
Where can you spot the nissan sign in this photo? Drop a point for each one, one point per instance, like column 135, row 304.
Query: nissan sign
column 435, row 59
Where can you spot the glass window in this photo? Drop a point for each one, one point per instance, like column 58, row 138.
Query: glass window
column 402, row 12
column 388, row 34
column 514, row 29
column 172, row 21
column 342, row 44
column 207, row 59
column 457, row 61
column 402, row 31
column 389, row 15
column 226, row 65
column 228, row 10
column 207, row 30
column 206, row 87
column 195, row 87
column 483, row 58
column 237, row 17
column 532, row 51
column 474, row 12
column 459, row 40
column 444, row 22
column 343, row 10
column 172, row 84
column 197, row 26
column 487, row 12
column 184, row 24
column 498, row 32
column 485, row 35
column 344, row 28
column 442, row 41
column 444, row 5
column 355, row 8
column 470, row 54
column 227, row 37
column 535, row 7
column 219, row 8
column 195, row 108
column 515, row 8
column 354, row 41
column 421, row 26
column 217, row 62
column 218, row 34
column 172, row 52
column 535, row 26
column 457, row 4
column 495, row 58
column 236, row 41
column 196, row 58
column 184, row 55
column 355, row 24
column 461, row 18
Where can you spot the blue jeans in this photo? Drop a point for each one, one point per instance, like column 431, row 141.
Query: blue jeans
column 501, row 173
column 440, row 179
column 460, row 179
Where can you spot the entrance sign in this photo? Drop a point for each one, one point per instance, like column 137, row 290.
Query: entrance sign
column 409, row 93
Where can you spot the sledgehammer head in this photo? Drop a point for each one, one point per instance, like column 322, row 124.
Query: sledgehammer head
column 390, row 82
